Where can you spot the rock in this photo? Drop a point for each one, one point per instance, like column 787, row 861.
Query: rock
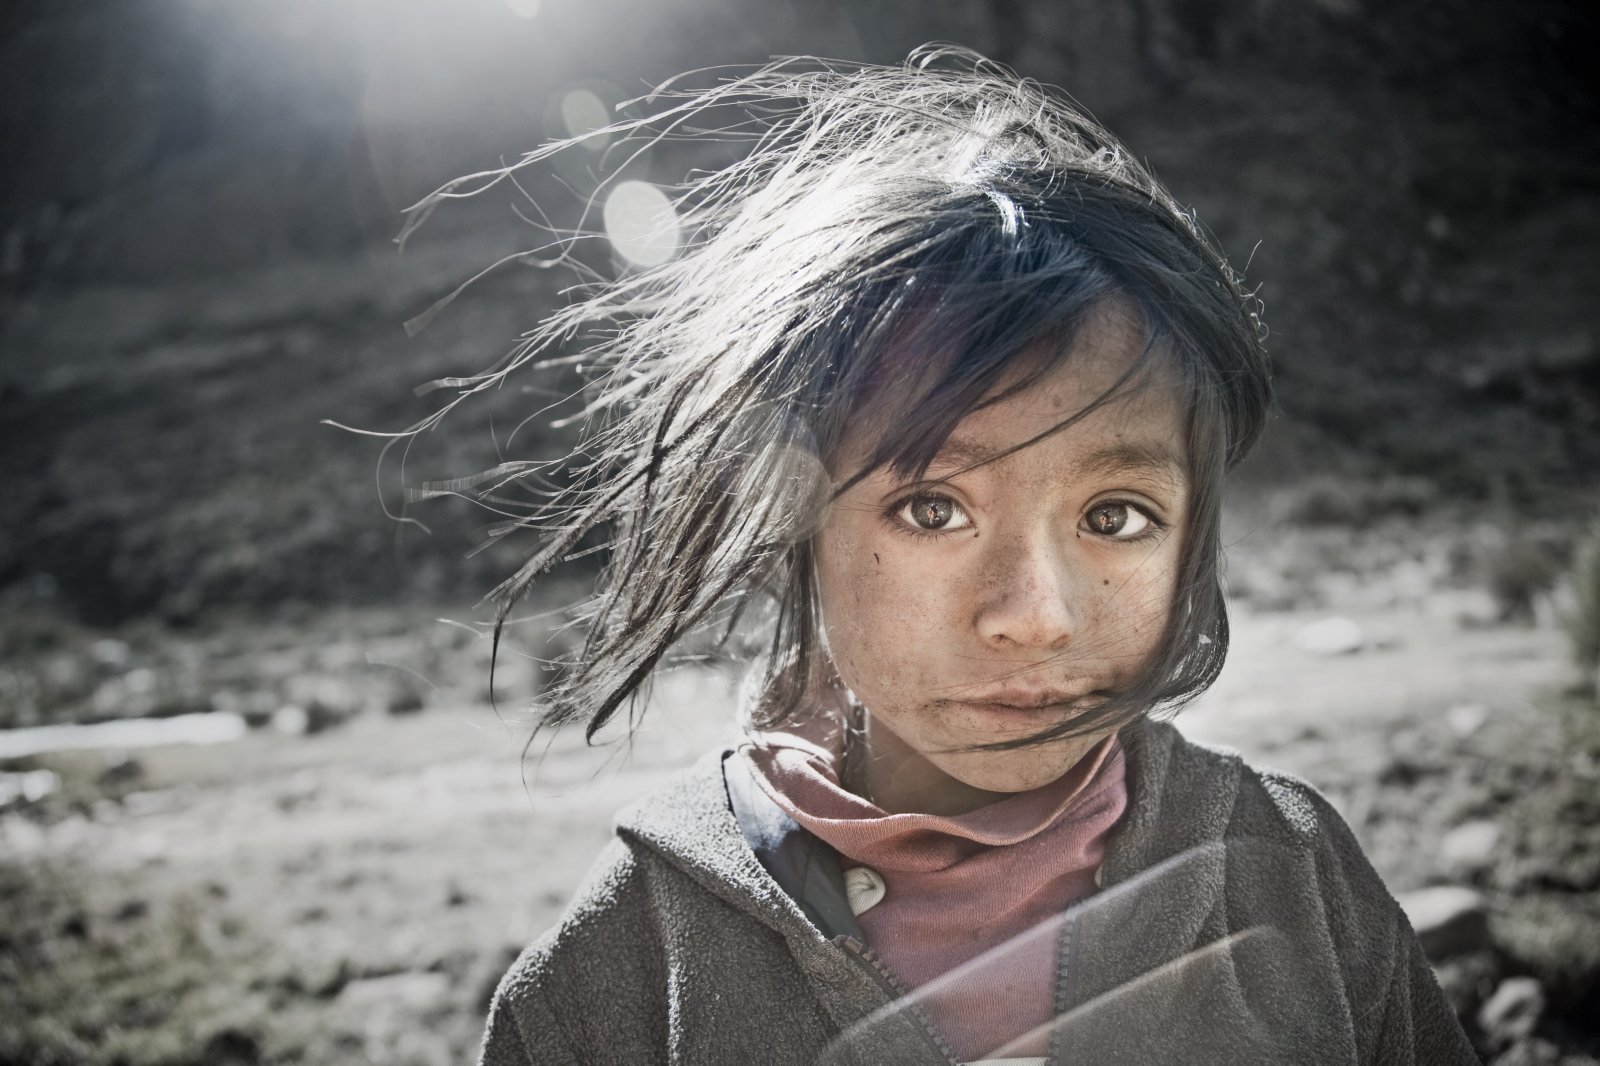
column 1331, row 636
column 1513, row 1012
column 403, row 699
column 327, row 980
column 1471, row 847
column 1449, row 920
column 302, row 788
column 291, row 719
column 1535, row 1052
column 326, row 696
column 1469, row 980
column 111, row 654
column 304, row 719
column 130, row 909
column 67, row 678
column 417, row 991
column 132, row 695
column 74, row 925
column 29, row 786
column 1466, row 718
column 1402, row 771
column 122, row 771
column 256, row 707
column 1574, row 873
column 232, row 1044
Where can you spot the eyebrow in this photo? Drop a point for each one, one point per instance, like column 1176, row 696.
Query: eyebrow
column 1123, row 456
column 1152, row 456
column 959, row 452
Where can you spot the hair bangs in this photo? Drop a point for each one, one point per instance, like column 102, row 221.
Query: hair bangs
column 987, row 310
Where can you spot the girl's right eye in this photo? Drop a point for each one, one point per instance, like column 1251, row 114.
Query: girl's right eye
column 933, row 513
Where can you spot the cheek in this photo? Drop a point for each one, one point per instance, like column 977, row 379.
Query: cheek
column 880, row 611
column 1139, row 601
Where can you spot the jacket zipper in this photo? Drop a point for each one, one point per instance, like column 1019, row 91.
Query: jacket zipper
column 885, row 977
column 1066, row 968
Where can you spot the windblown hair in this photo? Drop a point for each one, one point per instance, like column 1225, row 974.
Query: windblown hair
column 895, row 241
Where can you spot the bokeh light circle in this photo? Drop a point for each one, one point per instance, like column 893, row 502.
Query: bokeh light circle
column 583, row 112
column 641, row 223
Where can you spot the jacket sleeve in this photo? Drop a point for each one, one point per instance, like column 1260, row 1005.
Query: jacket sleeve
column 1401, row 1015
column 523, row 1028
column 1397, row 1009
column 592, row 987
column 1418, row 1027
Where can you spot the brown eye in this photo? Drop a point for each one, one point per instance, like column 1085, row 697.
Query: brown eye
column 1118, row 520
column 933, row 513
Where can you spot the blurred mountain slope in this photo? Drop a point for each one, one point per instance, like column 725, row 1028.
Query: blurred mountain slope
column 197, row 198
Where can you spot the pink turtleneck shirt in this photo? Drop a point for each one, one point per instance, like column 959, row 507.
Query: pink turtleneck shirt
column 968, row 917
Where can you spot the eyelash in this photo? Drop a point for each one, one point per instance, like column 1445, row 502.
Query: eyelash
column 1156, row 525
column 892, row 515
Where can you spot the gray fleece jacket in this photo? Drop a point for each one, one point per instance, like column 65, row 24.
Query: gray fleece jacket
column 1239, row 922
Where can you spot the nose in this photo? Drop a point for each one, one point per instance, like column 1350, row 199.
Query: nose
column 1030, row 596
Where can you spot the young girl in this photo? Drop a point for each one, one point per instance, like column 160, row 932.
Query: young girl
column 945, row 383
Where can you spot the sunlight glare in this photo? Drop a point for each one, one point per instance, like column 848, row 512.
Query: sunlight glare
column 641, row 224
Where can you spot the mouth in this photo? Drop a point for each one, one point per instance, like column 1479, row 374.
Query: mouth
column 1031, row 710
column 1034, row 699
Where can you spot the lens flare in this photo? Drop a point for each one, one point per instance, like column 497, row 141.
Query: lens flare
column 524, row 9
column 641, row 224
column 583, row 112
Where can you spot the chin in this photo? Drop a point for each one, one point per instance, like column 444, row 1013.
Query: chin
column 1018, row 770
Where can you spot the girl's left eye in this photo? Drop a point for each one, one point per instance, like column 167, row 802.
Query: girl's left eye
column 932, row 513
column 1121, row 521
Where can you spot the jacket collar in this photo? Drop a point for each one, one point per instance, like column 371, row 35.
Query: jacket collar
column 1181, row 798
column 688, row 822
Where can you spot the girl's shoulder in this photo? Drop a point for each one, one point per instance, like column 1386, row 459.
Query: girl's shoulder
column 1259, row 867
column 1269, row 834
column 676, row 881
column 1219, row 790
column 676, row 850
column 678, row 841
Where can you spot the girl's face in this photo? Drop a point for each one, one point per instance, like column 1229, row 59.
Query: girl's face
column 986, row 605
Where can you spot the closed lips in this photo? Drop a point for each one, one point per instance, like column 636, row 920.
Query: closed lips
column 1031, row 702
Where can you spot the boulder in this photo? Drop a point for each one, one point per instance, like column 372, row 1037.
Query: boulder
column 1449, row 919
column 1331, row 636
column 412, row 990
column 1470, row 848
column 1513, row 1012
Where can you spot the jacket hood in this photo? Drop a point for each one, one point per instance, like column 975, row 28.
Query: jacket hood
column 1181, row 797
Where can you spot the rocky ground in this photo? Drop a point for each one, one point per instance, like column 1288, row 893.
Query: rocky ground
column 346, row 880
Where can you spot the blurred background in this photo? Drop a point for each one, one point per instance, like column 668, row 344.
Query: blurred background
column 256, row 804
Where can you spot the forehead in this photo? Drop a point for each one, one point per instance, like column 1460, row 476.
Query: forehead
column 1103, row 399
column 1086, row 414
